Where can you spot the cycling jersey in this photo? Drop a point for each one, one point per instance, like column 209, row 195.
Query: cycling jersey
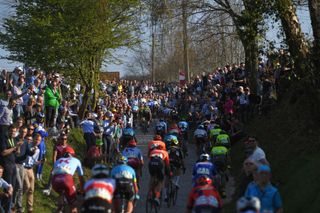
column 134, row 156
column 204, row 197
column 223, row 140
column 175, row 156
column 123, row 172
column 67, row 166
column 100, row 188
column 160, row 144
column 128, row 132
column 200, row 133
column 219, row 157
column 214, row 132
column 201, row 169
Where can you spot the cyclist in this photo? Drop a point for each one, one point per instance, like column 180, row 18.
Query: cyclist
column 176, row 161
column 126, row 184
column 214, row 132
column 161, row 128
column 156, row 142
column 221, row 160
column 203, row 168
column 135, row 158
column 98, row 191
column 62, row 181
column 204, row 197
column 168, row 139
column 146, row 114
column 184, row 126
column 223, row 139
column 248, row 205
column 200, row 135
column 128, row 134
column 158, row 161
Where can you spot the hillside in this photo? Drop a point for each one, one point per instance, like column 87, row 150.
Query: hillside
column 290, row 136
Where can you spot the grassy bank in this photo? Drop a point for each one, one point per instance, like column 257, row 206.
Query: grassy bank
column 42, row 203
column 290, row 136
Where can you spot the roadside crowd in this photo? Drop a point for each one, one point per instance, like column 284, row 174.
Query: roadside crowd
column 36, row 105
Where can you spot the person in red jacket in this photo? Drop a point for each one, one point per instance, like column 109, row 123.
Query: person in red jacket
column 204, row 197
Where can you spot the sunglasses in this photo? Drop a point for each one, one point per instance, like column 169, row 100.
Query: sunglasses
column 249, row 163
column 30, row 128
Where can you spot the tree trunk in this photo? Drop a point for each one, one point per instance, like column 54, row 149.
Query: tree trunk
column 251, row 58
column 185, row 40
column 298, row 47
column 314, row 8
column 85, row 102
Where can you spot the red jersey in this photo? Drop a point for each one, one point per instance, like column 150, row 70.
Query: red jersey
column 160, row 144
column 205, row 195
column 162, row 154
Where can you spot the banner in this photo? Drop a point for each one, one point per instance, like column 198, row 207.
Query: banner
column 182, row 77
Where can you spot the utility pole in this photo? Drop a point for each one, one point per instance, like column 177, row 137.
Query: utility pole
column 185, row 39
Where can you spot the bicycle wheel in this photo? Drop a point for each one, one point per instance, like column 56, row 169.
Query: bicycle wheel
column 174, row 195
column 169, row 195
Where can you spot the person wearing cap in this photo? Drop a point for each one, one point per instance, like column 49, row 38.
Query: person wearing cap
column 261, row 188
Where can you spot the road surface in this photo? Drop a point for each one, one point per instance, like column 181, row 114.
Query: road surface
column 185, row 180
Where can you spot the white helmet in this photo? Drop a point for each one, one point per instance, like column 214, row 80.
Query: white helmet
column 100, row 169
column 204, row 157
column 248, row 204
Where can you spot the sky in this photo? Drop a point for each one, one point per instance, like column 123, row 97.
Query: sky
column 125, row 55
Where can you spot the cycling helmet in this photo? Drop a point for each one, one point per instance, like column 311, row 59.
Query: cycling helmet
column 204, row 157
column 132, row 143
column 201, row 126
column 157, row 138
column 122, row 160
column 248, row 204
column 204, row 180
column 69, row 151
column 100, row 170
column 173, row 140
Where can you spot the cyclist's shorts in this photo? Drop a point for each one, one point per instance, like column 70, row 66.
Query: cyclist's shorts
column 134, row 163
column 200, row 140
column 207, row 209
column 96, row 205
column 63, row 183
column 124, row 188
column 156, row 168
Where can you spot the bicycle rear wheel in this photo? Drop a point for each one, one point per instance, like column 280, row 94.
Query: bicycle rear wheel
column 174, row 195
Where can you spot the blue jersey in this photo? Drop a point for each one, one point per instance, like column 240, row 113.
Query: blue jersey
column 67, row 166
column 128, row 132
column 269, row 197
column 123, row 171
column 200, row 169
column 132, row 152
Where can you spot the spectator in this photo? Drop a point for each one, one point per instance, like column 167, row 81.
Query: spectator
column 52, row 98
column 268, row 195
column 254, row 152
column 8, row 150
column 7, row 187
column 18, row 93
column 29, row 164
column 6, row 117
